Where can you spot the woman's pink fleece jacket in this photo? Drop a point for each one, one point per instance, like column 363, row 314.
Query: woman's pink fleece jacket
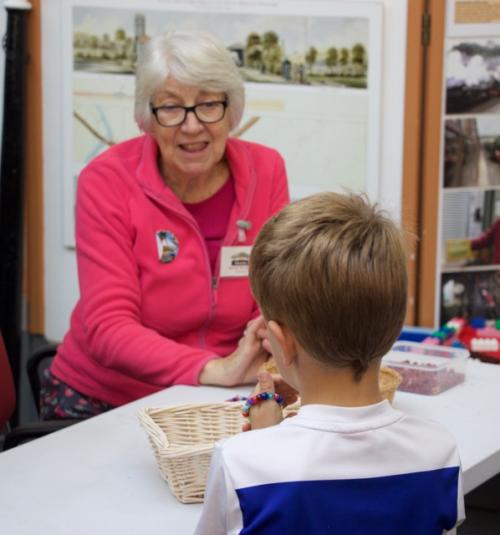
column 141, row 324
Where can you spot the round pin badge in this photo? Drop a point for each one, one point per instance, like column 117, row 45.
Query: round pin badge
column 168, row 246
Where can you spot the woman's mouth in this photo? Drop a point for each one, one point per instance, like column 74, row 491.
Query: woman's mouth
column 193, row 147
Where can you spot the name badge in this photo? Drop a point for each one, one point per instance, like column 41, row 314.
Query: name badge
column 234, row 261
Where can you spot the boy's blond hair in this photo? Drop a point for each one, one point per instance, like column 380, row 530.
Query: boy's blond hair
column 332, row 269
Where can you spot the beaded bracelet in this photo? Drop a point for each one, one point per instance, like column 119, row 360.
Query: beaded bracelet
column 257, row 398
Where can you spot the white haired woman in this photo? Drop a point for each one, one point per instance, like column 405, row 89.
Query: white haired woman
column 164, row 223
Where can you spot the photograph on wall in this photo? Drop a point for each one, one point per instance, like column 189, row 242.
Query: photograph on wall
column 473, row 76
column 470, row 229
column 474, row 294
column 473, row 17
column 312, row 82
column 472, row 152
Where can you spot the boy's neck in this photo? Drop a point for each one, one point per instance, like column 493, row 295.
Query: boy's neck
column 336, row 386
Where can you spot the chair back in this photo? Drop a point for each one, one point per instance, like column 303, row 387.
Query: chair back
column 7, row 388
column 37, row 363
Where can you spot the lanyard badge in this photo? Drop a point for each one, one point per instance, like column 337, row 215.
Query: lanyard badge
column 235, row 260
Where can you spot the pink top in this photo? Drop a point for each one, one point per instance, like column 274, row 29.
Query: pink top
column 212, row 216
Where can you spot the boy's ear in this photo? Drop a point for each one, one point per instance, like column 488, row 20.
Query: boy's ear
column 285, row 340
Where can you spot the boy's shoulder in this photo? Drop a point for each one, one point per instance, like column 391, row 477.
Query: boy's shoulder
column 404, row 441
column 389, row 419
column 258, row 456
column 425, row 428
column 265, row 444
column 251, row 439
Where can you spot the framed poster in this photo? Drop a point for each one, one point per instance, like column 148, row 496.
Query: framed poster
column 311, row 72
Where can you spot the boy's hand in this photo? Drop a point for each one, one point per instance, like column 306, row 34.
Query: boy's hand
column 265, row 413
column 287, row 392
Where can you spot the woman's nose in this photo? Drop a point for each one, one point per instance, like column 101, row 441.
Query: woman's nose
column 191, row 122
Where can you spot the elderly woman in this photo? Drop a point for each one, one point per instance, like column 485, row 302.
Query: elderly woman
column 164, row 225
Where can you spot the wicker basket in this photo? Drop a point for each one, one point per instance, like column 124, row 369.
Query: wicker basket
column 388, row 382
column 183, row 437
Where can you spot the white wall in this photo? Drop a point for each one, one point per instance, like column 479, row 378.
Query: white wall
column 61, row 285
column 392, row 114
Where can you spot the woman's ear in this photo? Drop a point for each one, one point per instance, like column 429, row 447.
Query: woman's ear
column 285, row 341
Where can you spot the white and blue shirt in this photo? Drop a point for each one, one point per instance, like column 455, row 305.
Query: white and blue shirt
column 336, row 470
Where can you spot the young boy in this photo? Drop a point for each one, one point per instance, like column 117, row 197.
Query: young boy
column 329, row 274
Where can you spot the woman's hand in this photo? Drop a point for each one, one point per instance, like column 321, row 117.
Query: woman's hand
column 241, row 366
column 264, row 338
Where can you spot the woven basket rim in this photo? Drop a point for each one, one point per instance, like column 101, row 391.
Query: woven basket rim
column 150, row 419
column 187, row 406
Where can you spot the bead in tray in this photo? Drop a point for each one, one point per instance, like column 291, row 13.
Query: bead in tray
column 427, row 369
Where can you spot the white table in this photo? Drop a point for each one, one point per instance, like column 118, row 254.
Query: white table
column 100, row 476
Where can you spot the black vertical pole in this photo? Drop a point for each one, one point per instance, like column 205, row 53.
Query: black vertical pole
column 12, row 183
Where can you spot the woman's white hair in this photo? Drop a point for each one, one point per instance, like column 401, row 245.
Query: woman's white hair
column 192, row 57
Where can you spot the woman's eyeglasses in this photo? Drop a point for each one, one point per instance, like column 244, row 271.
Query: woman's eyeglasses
column 205, row 112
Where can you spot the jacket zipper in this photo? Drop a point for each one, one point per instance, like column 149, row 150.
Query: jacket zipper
column 229, row 239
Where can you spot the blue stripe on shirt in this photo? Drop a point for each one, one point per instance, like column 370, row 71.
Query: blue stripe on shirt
column 421, row 503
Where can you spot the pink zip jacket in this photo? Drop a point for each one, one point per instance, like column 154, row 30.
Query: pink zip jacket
column 142, row 324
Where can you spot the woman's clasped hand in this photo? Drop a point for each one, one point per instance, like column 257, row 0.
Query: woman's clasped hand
column 242, row 365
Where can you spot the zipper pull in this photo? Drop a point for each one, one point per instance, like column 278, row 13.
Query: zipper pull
column 243, row 225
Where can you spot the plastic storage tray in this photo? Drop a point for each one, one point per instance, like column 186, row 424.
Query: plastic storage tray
column 427, row 369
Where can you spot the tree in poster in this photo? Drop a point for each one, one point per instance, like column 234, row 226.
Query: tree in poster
column 358, row 54
column 311, row 57
column 332, row 57
column 344, row 56
column 253, row 51
column 272, row 53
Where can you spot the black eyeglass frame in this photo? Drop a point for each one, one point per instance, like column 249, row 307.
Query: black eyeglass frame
column 187, row 109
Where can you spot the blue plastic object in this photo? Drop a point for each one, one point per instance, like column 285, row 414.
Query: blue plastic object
column 415, row 334
column 477, row 323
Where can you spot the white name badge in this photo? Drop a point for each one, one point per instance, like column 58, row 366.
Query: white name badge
column 234, row 261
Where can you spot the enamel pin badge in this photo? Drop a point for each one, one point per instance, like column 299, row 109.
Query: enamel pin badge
column 168, row 246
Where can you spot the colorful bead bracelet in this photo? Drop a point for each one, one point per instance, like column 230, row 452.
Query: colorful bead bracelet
column 257, row 398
